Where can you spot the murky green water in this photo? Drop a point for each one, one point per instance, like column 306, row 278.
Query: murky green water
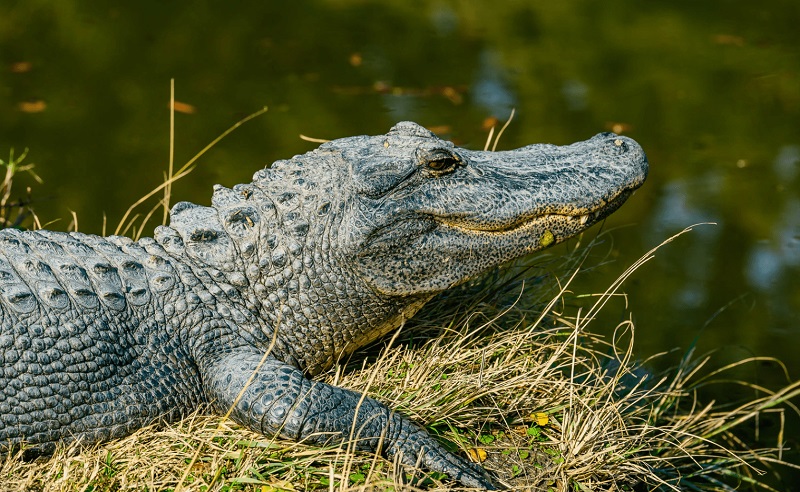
column 710, row 89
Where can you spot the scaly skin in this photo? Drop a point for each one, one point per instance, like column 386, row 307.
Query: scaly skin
column 316, row 257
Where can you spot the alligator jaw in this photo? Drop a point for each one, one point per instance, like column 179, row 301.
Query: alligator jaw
column 579, row 219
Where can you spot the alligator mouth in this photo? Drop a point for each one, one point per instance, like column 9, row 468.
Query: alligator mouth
column 579, row 220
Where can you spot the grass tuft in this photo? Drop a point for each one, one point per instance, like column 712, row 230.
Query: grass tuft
column 16, row 213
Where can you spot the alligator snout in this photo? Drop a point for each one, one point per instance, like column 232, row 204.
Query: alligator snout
column 627, row 148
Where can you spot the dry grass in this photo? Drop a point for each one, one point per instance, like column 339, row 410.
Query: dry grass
column 15, row 213
column 527, row 389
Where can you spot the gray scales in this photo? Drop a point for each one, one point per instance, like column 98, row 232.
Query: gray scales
column 319, row 255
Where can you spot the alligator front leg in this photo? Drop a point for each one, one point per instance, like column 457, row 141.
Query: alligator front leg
column 280, row 401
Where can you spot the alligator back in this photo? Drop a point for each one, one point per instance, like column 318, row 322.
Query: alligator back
column 85, row 350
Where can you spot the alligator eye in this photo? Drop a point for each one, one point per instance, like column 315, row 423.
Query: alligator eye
column 444, row 164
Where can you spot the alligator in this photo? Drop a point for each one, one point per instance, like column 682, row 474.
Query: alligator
column 238, row 305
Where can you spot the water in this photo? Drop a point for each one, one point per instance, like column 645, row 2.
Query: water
column 710, row 89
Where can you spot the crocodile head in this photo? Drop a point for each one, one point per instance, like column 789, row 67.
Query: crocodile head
column 427, row 215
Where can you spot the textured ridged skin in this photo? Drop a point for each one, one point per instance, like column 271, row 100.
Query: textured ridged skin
column 275, row 282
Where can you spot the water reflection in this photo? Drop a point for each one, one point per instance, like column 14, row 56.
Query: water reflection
column 444, row 19
column 675, row 210
column 764, row 266
column 490, row 89
column 778, row 256
column 683, row 202
column 787, row 163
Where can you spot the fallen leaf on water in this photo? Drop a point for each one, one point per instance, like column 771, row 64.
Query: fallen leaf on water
column 36, row 106
column 440, row 129
column 21, row 67
column 489, row 122
column 453, row 95
column 381, row 86
column 618, row 127
column 729, row 40
column 182, row 107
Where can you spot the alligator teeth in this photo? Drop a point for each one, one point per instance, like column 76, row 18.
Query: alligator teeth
column 584, row 219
